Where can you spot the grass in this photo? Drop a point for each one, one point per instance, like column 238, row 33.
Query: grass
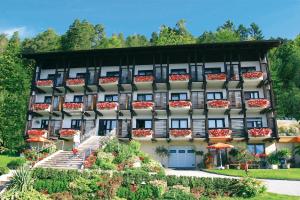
column 266, row 196
column 4, row 159
column 282, row 174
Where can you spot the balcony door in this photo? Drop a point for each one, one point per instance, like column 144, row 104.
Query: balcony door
column 125, row 101
column 196, row 72
column 161, row 73
column 160, row 130
column 107, row 126
column 124, row 126
column 235, row 99
column 197, row 100
column 126, row 74
column 160, row 99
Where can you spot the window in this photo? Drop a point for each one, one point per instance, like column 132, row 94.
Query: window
column 143, row 123
column 110, row 74
column 78, row 99
column 248, row 69
column 145, row 72
column 256, row 148
column 51, row 76
column 47, row 99
column 179, row 123
column 106, row 126
column 80, row 75
column 214, row 95
column 216, row 123
column 178, row 96
column 178, row 71
column 254, row 122
column 111, row 98
column 44, row 124
column 212, row 70
column 75, row 124
column 144, row 97
column 251, row 95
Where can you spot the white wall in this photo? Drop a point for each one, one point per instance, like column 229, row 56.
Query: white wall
column 45, row 72
column 104, row 70
column 215, row 65
column 142, row 67
column 179, row 66
column 74, row 71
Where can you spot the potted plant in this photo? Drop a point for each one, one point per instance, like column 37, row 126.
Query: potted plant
column 284, row 156
column 273, row 160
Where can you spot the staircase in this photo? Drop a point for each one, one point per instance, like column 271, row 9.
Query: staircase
column 4, row 181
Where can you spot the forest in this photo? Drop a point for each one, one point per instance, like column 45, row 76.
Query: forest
column 15, row 72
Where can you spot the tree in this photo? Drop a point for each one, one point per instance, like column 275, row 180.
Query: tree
column 99, row 35
column 255, row 33
column 243, row 32
column 115, row 41
column 136, row 41
column 3, row 42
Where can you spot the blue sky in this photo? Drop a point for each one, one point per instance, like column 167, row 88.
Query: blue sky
column 275, row 17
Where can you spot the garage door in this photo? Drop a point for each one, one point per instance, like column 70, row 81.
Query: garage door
column 181, row 157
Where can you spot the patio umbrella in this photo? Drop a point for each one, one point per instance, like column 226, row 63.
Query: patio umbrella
column 219, row 146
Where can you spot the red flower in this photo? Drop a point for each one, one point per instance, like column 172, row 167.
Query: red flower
column 180, row 103
column 44, row 83
column 108, row 79
column 72, row 106
column 142, row 104
column 67, row 132
column 260, row 155
column 180, row 132
column 219, row 132
column 143, row 78
column 260, row 132
column 220, row 76
column 77, row 81
column 142, row 132
column 179, row 77
column 262, row 103
column 218, row 103
column 90, row 161
column 36, row 132
column 252, row 75
column 40, row 106
column 107, row 105
column 75, row 151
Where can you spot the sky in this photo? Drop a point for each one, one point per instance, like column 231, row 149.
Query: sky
column 277, row 18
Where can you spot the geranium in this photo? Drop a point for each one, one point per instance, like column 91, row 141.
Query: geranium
column 180, row 132
column 179, row 77
column 260, row 155
column 44, row 83
column 142, row 132
column 90, row 161
column 220, row 76
column 107, row 105
column 40, row 106
column 219, row 132
column 218, row 103
column 260, row 132
column 77, row 81
column 36, row 132
column 67, row 132
column 142, row 104
column 180, row 103
column 143, row 78
column 72, row 106
column 252, row 75
column 108, row 80
column 262, row 103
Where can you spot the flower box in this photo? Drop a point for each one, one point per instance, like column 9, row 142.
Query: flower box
column 37, row 133
column 219, row 133
column 258, row 103
column 252, row 75
column 108, row 80
column 143, row 105
column 179, row 77
column 44, row 83
column 67, row 133
column 260, row 132
column 180, row 133
column 143, row 79
column 76, row 81
column 107, row 106
column 180, row 104
column 219, row 77
column 41, row 107
column 218, row 104
column 142, row 133
column 73, row 106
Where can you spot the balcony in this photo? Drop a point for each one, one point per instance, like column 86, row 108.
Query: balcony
column 75, row 84
column 109, row 83
column 35, row 133
column 252, row 78
column 219, row 133
column 143, row 82
column 107, row 108
column 257, row 105
column 45, row 85
column 142, row 134
column 218, row 106
column 143, row 107
column 69, row 133
column 73, row 107
column 180, row 134
column 180, row 106
column 179, row 81
column 42, row 108
column 215, row 80
column 259, row 133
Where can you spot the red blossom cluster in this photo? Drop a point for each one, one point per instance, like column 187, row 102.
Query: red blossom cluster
column 180, row 103
column 108, row 80
column 142, row 132
column 41, row 106
column 142, row 104
column 220, row 76
column 90, row 161
column 143, row 78
column 72, row 106
column 179, row 77
column 252, row 75
column 36, row 132
column 180, row 132
column 44, row 83
column 77, row 81
column 262, row 103
column 67, row 132
column 260, row 132
column 218, row 103
column 107, row 105
column 260, row 155
column 219, row 132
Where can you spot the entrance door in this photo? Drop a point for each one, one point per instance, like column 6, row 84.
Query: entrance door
column 182, row 157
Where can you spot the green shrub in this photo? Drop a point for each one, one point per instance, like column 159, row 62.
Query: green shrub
column 51, row 186
column 247, row 188
column 62, row 196
column 142, row 192
column 273, row 159
column 25, row 195
column 14, row 164
column 3, row 170
column 63, row 175
column 174, row 194
column 105, row 165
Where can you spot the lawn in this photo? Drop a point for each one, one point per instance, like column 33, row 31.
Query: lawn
column 266, row 196
column 4, row 159
column 286, row 174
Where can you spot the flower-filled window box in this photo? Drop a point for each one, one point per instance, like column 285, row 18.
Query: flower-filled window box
column 142, row 133
column 179, row 77
column 143, row 105
column 180, row 104
column 258, row 103
column 76, row 82
column 218, row 77
column 44, row 83
column 220, row 133
column 67, row 133
column 73, row 106
column 108, row 80
column 41, row 107
column 143, row 79
column 180, row 133
column 218, row 104
column 37, row 133
column 107, row 106
column 252, row 75
column 260, row 132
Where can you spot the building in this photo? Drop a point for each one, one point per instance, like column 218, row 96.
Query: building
column 182, row 97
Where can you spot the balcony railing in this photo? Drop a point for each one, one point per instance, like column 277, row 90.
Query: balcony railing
column 73, row 82
column 219, row 133
column 180, row 105
column 142, row 134
column 108, row 80
column 179, row 77
column 216, row 77
column 107, row 106
column 44, row 83
column 73, row 106
column 218, row 104
column 69, row 133
column 263, row 132
column 41, row 107
column 143, row 105
column 180, row 133
column 257, row 104
column 139, row 79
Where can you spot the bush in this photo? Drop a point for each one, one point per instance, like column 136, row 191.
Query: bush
column 247, row 188
column 273, row 159
column 14, row 164
column 3, row 170
column 51, row 186
column 174, row 194
column 62, row 196
column 26, row 195
column 62, row 175
column 105, row 165
column 142, row 192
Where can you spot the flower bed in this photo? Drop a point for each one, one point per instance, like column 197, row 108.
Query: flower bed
column 72, row 106
column 67, row 132
column 107, row 80
column 143, row 78
column 90, row 161
column 179, row 77
column 178, row 104
column 180, row 132
column 258, row 103
column 107, row 105
column 44, row 83
column 41, row 106
column 260, row 132
column 143, row 104
column 252, row 75
column 142, row 132
column 221, row 76
column 218, row 103
column 36, row 132
column 219, row 132
column 77, row 81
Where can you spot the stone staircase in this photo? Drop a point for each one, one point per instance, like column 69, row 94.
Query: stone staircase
column 4, row 181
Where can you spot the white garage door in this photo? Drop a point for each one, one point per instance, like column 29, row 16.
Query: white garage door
column 181, row 157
